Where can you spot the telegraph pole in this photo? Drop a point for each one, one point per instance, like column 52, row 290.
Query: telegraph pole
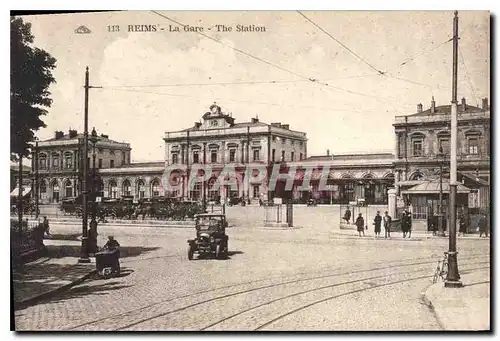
column 84, row 256
column 453, row 277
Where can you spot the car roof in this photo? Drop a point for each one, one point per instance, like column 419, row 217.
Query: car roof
column 201, row 215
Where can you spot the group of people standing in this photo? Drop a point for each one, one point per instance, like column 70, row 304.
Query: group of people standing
column 378, row 221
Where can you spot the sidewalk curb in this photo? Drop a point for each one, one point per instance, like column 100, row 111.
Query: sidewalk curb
column 428, row 303
column 30, row 301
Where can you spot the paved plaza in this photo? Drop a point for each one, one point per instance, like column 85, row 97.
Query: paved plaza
column 302, row 279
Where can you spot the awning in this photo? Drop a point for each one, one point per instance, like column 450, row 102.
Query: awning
column 15, row 192
column 474, row 179
column 409, row 182
column 432, row 187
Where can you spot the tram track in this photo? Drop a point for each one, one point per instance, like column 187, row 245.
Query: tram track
column 110, row 321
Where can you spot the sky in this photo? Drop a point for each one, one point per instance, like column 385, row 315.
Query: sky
column 153, row 82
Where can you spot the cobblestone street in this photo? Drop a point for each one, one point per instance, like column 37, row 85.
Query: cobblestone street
column 300, row 279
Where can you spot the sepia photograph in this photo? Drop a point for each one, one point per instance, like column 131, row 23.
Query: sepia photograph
column 250, row 171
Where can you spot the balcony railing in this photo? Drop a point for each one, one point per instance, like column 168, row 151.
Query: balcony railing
column 440, row 117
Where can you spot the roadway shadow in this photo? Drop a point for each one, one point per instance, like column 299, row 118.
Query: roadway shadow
column 212, row 257
column 60, row 236
column 60, row 251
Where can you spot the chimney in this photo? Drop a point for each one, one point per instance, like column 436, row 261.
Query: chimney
column 105, row 136
column 464, row 104
column 485, row 103
column 328, row 152
column 419, row 107
column 285, row 126
column 255, row 120
column 72, row 133
column 197, row 125
column 433, row 105
column 59, row 135
column 276, row 124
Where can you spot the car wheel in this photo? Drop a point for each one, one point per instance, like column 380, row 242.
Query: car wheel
column 218, row 250
column 190, row 253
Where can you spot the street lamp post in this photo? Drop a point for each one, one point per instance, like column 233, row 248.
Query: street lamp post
column 440, row 216
column 84, row 256
column 93, row 140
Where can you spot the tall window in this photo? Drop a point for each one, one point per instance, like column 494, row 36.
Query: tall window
column 301, row 156
column 123, row 158
column 292, row 156
column 417, row 146
column 42, row 161
column 68, row 161
column 175, row 158
column 196, row 157
column 473, row 144
column 273, row 155
column 68, row 189
column 282, row 155
column 444, row 144
column 43, row 190
column 256, row 154
column 141, row 189
column 113, row 189
column 232, row 155
column 155, row 188
column 111, row 163
column 55, row 160
column 55, row 192
column 100, row 163
column 255, row 191
column 127, row 189
column 213, row 156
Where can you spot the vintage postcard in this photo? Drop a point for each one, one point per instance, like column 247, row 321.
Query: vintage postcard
column 250, row 171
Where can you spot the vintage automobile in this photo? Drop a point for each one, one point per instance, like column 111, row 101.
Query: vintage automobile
column 211, row 238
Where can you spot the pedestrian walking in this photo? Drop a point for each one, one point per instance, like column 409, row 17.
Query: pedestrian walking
column 347, row 216
column 462, row 227
column 46, row 226
column 387, row 224
column 408, row 219
column 360, row 223
column 483, row 228
column 377, row 221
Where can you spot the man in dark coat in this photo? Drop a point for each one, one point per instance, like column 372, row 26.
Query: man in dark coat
column 360, row 223
column 377, row 221
column 462, row 227
column 387, row 224
column 404, row 224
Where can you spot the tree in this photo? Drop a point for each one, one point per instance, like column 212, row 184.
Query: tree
column 30, row 78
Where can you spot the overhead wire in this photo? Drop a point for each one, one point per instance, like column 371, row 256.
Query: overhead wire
column 341, row 44
column 473, row 93
column 312, row 80
column 240, row 101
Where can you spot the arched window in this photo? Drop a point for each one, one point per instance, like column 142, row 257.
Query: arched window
column 55, row 191
column 155, row 188
column 68, row 189
column 113, row 189
column 43, row 190
column 127, row 189
column 417, row 176
column 141, row 188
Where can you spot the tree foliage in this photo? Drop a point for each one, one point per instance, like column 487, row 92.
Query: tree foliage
column 30, row 78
